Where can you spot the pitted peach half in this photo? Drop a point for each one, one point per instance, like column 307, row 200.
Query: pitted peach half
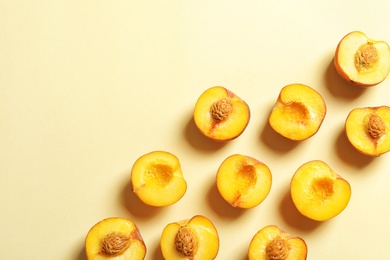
column 194, row 239
column 298, row 112
column 272, row 243
column 318, row 192
column 157, row 179
column 115, row 238
column 362, row 61
column 221, row 115
column 368, row 130
column 243, row 181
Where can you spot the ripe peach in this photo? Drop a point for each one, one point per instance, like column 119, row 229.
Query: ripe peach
column 117, row 238
column 243, row 181
column 362, row 61
column 318, row 192
column 221, row 115
column 298, row 112
column 272, row 243
column 195, row 239
column 157, row 179
column 368, row 129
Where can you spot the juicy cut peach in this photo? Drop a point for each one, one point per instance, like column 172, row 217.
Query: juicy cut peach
column 115, row 238
column 318, row 192
column 192, row 239
column 362, row 61
column 272, row 243
column 221, row 115
column 157, row 179
column 298, row 112
column 368, row 129
column 243, row 181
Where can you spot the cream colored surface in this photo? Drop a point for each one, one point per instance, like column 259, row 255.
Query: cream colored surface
column 87, row 87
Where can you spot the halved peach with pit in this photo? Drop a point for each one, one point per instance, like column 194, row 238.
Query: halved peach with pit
column 115, row 238
column 221, row 115
column 318, row 192
column 194, row 239
column 157, row 179
column 368, row 129
column 298, row 112
column 272, row 243
column 243, row 181
column 362, row 61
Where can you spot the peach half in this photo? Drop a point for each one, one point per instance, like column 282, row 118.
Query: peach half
column 115, row 238
column 243, row 181
column 318, row 192
column 298, row 112
column 272, row 243
column 221, row 115
column 193, row 239
column 362, row 61
column 157, row 179
column 368, row 129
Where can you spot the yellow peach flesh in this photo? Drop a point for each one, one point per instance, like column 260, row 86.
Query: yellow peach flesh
column 263, row 239
column 243, row 181
column 298, row 112
column 356, row 128
column 318, row 192
column 231, row 126
column 361, row 60
column 94, row 241
column 157, row 179
column 207, row 245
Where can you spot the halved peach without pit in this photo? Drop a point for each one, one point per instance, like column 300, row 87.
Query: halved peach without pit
column 115, row 238
column 157, row 179
column 298, row 112
column 362, row 61
column 368, row 130
column 272, row 243
column 243, row 181
column 318, row 192
column 221, row 115
column 191, row 239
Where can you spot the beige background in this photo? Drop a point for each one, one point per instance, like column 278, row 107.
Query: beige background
column 86, row 87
